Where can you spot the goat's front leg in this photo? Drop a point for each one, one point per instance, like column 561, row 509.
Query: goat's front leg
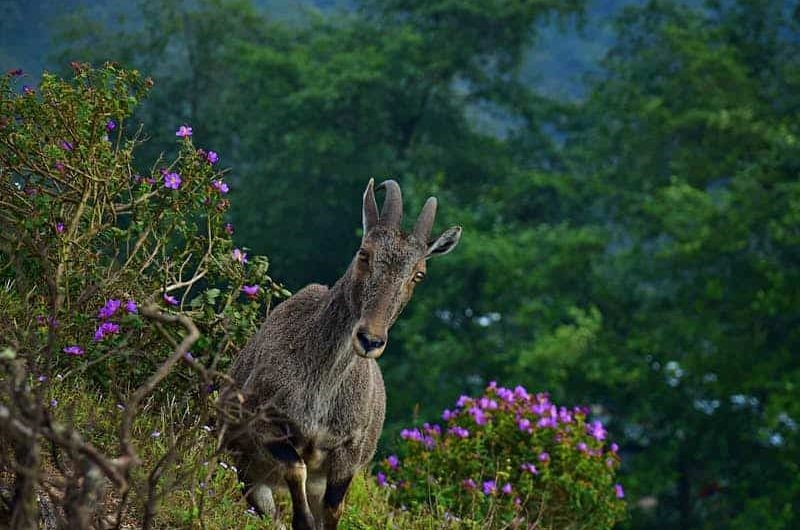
column 295, row 477
column 333, row 501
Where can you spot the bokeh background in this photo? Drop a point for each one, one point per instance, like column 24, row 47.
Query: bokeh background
column 626, row 172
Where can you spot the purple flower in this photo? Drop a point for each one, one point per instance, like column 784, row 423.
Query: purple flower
column 546, row 422
column 614, row 447
column 530, row 468
column 411, row 434
column 582, row 447
column 463, row 400
column 521, row 393
column 597, row 431
column 155, row 434
column 111, row 125
column 544, row 456
column 27, row 90
column 478, row 415
column 131, row 307
column 189, row 357
column 250, row 290
column 105, row 329
column 66, row 146
column 212, row 157
column 506, row 395
column 108, row 310
column 609, row 462
column 220, row 186
column 42, row 378
column 393, row 461
column 239, row 256
column 468, row 484
column 229, row 229
column 618, row 491
column 53, row 403
column 459, row 431
column 524, row 425
column 59, row 228
column 73, row 350
column 60, row 167
column 564, row 415
column 447, row 415
column 381, row 479
column 489, row 487
column 433, row 430
column 171, row 300
column 507, row 489
column 172, row 181
column 184, row 131
column 487, row 404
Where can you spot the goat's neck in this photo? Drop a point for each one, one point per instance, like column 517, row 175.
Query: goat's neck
column 336, row 326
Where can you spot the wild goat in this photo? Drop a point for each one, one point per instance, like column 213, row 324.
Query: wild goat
column 309, row 378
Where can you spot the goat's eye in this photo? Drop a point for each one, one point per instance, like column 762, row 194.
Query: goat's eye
column 419, row 276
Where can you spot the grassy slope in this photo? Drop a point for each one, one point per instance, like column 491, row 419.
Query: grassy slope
column 200, row 482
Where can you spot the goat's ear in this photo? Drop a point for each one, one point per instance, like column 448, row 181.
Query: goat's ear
column 445, row 242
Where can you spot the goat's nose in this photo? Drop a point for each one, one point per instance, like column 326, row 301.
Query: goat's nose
column 369, row 342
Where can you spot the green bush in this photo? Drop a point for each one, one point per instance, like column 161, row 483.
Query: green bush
column 509, row 458
column 89, row 235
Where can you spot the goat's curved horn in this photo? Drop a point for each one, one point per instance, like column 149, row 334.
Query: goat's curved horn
column 425, row 220
column 369, row 212
column 392, row 212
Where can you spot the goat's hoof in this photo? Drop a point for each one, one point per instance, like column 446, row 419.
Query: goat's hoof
column 303, row 523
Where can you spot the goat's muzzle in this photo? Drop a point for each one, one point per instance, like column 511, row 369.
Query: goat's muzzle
column 368, row 345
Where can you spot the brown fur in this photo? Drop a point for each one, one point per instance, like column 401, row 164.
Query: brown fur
column 315, row 385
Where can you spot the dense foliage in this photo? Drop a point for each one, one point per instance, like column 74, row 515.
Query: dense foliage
column 509, row 458
column 89, row 235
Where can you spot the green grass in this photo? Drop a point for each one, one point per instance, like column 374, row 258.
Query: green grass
column 199, row 489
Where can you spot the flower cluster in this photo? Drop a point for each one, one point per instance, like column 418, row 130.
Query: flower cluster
column 507, row 452
column 106, row 327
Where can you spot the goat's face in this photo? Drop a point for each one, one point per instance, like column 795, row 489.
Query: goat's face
column 389, row 264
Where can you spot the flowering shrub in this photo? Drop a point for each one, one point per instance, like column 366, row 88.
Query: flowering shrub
column 509, row 457
column 90, row 236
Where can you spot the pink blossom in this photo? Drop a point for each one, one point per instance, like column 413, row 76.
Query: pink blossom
column 172, row 181
column 73, row 350
column 220, row 186
column 105, row 329
column 489, row 487
column 184, row 131
column 458, row 431
column 618, row 491
column 250, row 290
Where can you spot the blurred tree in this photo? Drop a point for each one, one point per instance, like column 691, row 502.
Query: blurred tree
column 637, row 250
column 691, row 142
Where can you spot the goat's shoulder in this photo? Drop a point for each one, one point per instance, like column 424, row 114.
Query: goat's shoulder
column 298, row 309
